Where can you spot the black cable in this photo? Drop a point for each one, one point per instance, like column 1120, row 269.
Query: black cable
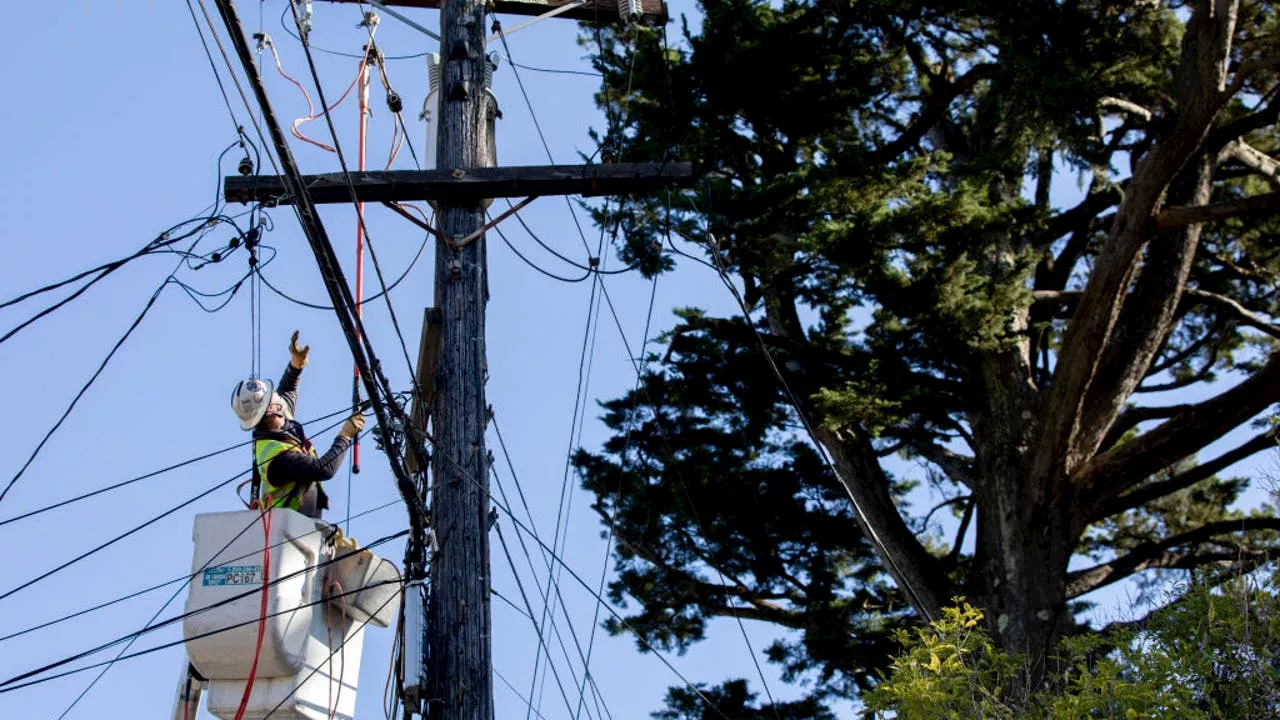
column 163, row 241
column 542, row 643
column 61, row 503
column 153, row 626
column 317, row 306
column 290, row 32
column 582, row 657
column 5, row 687
column 122, row 536
column 355, row 201
column 534, row 265
column 622, row 621
column 555, row 71
column 213, row 66
column 153, row 588
column 321, row 664
column 102, row 366
column 569, row 260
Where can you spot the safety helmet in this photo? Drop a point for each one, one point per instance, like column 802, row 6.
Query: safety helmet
column 250, row 400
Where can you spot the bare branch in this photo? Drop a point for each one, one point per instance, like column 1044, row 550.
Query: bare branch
column 1130, row 418
column 1115, row 471
column 960, row 532
column 1254, row 159
column 1154, row 491
column 1247, row 68
column 1172, row 218
column 1127, row 106
column 957, row 467
column 776, row 615
column 1236, row 311
column 1160, row 554
column 1075, row 413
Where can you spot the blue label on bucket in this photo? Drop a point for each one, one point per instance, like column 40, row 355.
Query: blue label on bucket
column 233, row 575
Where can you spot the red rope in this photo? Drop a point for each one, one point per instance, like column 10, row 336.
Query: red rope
column 262, row 616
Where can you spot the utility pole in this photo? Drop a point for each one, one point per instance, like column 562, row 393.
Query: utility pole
column 456, row 643
column 459, row 624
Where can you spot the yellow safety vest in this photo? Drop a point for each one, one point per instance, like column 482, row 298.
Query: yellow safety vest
column 282, row 496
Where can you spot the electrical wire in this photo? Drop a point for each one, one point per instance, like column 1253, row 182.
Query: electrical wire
column 534, row 265
column 6, row 687
column 542, row 642
column 582, row 657
column 153, row 626
column 578, row 402
column 335, row 651
column 338, row 53
column 622, row 621
column 227, row 61
column 346, row 174
column 881, row 550
column 181, row 578
column 380, row 293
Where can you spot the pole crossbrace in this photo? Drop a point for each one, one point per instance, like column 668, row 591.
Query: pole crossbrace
column 480, row 183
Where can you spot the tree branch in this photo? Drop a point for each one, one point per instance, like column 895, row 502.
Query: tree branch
column 1130, row 418
column 1172, row 218
column 1154, row 491
column 1065, row 442
column 1113, row 472
column 1126, row 106
column 1236, row 310
column 957, row 467
column 934, row 109
column 1253, row 159
column 1159, row 555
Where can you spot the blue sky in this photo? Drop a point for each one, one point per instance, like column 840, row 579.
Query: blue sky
column 114, row 125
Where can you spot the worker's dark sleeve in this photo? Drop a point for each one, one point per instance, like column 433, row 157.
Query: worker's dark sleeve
column 288, row 387
column 302, row 468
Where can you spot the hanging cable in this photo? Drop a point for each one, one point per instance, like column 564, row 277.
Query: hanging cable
column 13, row 684
column 182, row 578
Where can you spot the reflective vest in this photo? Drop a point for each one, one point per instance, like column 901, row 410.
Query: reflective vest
column 282, row 496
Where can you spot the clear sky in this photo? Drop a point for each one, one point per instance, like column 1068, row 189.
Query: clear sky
column 114, row 126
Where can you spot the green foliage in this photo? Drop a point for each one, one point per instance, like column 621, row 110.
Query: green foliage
column 1209, row 654
column 882, row 179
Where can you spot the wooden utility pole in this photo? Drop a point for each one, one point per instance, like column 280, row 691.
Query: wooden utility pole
column 457, row 639
column 459, row 625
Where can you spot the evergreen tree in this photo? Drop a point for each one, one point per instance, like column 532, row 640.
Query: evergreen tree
column 880, row 183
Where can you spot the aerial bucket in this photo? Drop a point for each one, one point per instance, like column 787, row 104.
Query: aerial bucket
column 312, row 633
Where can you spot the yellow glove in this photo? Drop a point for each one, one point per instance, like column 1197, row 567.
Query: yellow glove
column 352, row 426
column 298, row 355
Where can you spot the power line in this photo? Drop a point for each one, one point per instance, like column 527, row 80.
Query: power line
column 123, row 535
column 6, row 687
column 153, row 626
column 542, row 643
column 317, row 306
column 153, row 588
column 102, row 366
column 320, row 664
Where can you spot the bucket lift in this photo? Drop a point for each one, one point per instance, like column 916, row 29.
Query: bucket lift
column 318, row 600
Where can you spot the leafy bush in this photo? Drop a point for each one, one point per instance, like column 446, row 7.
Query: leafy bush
column 1211, row 653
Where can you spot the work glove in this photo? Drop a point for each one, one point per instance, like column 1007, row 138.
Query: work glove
column 352, row 426
column 298, row 355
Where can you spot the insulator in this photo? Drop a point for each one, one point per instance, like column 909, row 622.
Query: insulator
column 433, row 72
column 246, row 165
column 630, row 10
column 490, row 67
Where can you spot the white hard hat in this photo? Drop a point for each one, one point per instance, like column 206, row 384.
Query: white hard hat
column 250, row 400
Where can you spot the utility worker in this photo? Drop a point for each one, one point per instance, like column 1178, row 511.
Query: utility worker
column 290, row 471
